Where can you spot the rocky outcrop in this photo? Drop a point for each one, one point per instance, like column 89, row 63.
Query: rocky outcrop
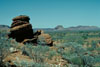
column 22, row 31
column 16, row 57
column 44, row 38
column 59, row 27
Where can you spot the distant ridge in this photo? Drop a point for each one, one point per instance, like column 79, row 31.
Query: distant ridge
column 4, row 27
column 83, row 28
column 76, row 28
column 61, row 28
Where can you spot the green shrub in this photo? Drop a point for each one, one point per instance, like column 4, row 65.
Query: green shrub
column 94, row 43
column 30, row 64
column 5, row 45
column 51, row 54
column 37, row 53
column 74, row 38
column 88, row 60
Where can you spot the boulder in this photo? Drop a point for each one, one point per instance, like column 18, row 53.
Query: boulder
column 44, row 39
column 21, row 29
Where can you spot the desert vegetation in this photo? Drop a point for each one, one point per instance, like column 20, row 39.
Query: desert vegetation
column 70, row 49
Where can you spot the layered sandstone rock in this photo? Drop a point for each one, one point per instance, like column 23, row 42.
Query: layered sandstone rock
column 22, row 18
column 22, row 31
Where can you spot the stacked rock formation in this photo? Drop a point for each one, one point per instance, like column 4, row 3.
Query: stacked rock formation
column 21, row 28
column 22, row 31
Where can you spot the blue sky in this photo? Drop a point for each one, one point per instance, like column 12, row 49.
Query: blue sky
column 50, row 13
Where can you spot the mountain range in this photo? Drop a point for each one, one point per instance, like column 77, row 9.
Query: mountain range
column 4, row 27
column 61, row 28
column 76, row 28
